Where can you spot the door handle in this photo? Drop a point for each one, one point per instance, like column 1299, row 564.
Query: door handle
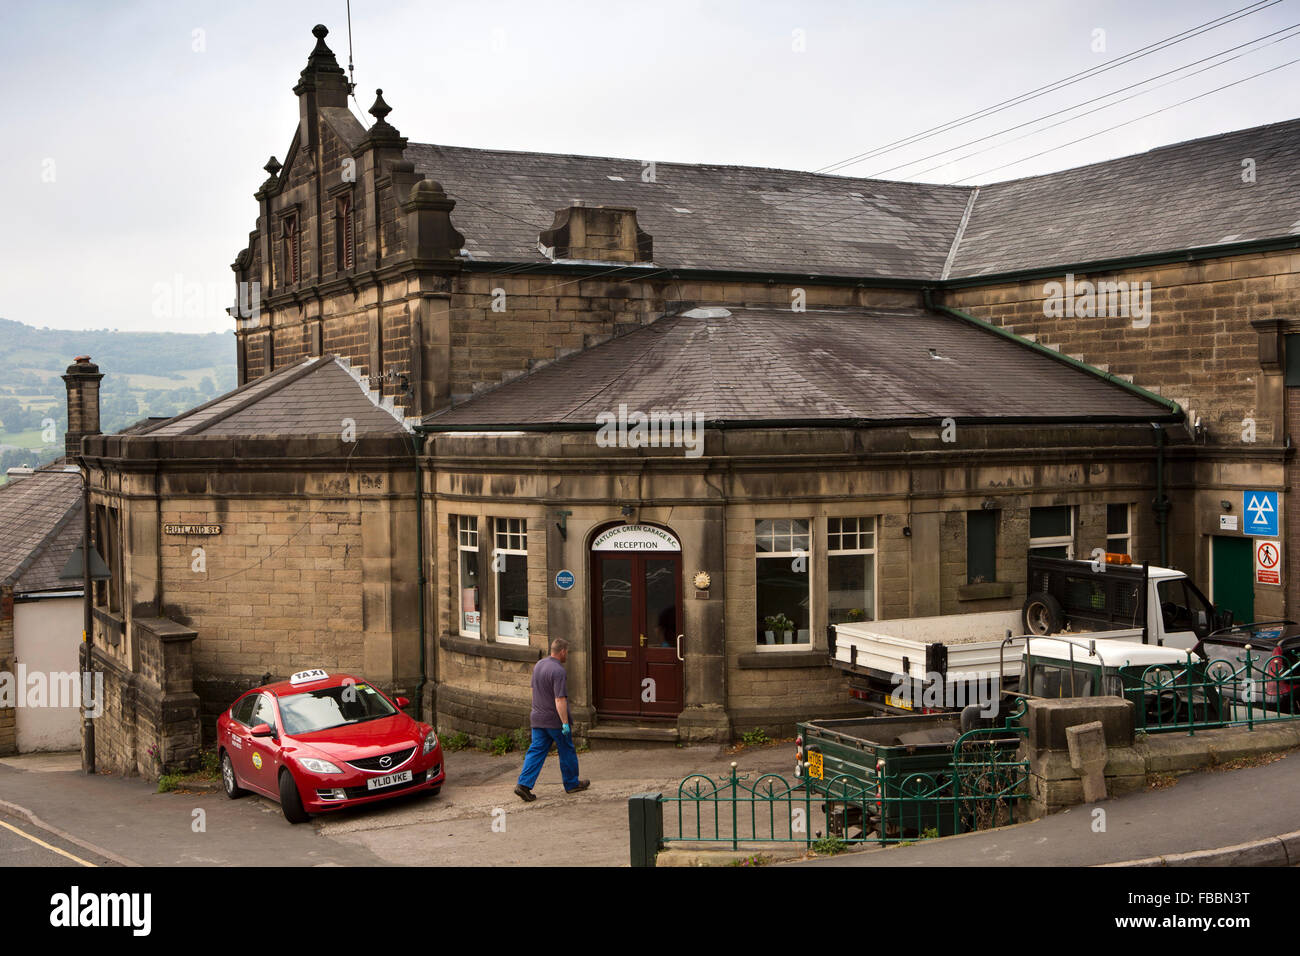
column 679, row 647
column 643, row 640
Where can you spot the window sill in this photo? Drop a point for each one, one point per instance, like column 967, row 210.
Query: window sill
column 480, row 648
column 984, row 592
column 758, row 660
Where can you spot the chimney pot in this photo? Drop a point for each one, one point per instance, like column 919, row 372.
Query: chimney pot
column 82, row 381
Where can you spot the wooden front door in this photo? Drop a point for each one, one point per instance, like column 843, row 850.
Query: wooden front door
column 637, row 617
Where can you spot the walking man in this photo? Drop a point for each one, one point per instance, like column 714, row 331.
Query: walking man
column 550, row 722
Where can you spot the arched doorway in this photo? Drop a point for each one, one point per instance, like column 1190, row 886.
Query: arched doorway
column 636, row 586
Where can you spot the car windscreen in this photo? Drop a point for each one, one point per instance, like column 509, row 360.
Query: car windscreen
column 332, row 707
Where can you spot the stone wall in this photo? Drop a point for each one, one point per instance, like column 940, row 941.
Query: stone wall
column 150, row 720
column 1199, row 347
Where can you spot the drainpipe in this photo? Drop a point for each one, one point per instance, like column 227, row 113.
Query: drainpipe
column 88, row 627
column 1161, row 504
column 417, row 446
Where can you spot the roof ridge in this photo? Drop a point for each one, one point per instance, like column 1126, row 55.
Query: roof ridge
column 293, row 373
column 251, row 383
column 1146, row 152
column 669, row 163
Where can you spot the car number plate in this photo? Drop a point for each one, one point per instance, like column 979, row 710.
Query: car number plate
column 900, row 702
column 815, row 768
column 388, row 780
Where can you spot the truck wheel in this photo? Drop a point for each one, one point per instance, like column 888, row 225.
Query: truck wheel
column 1042, row 614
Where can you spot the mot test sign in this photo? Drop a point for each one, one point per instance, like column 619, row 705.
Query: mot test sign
column 1268, row 561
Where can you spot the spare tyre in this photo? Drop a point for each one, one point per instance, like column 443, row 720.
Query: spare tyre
column 1042, row 614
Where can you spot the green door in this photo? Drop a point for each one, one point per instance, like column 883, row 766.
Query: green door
column 1234, row 577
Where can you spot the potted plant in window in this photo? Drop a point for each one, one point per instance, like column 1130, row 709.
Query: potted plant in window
column 780, row 629
column 856, row 614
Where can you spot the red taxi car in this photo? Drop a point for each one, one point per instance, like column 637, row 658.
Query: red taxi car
column 317, row 742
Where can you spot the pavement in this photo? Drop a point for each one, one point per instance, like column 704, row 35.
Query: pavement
column 1237, row 809
column 53, row 815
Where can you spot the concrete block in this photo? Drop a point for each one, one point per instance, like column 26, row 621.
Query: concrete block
column 1087, row 743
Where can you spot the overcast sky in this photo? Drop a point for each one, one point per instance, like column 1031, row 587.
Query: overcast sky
column 135, row 133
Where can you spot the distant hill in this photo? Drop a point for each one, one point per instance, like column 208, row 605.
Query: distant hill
column 145, row 374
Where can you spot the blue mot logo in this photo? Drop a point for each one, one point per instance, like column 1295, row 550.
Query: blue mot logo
column 1261, row 513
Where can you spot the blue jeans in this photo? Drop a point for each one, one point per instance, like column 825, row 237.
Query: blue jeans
column 538, row 751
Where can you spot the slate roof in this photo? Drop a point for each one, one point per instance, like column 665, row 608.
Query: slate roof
column 1176, row 197
column 703, row 217
column 40, row 524
column 310, row 398
column 856, row 366
column 747, row 219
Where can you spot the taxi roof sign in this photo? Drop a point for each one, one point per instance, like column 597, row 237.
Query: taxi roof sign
column 306, row 677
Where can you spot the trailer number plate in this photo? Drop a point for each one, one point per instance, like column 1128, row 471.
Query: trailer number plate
column 815, row 765
column 901, row 702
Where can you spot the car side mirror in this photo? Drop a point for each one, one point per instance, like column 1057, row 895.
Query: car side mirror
column 263, row 730
column 403, row 703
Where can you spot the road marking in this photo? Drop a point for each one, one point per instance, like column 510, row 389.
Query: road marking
column 36, row 821
column 52, row 849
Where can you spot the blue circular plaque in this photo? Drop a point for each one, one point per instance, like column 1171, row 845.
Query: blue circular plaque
column 564, row 580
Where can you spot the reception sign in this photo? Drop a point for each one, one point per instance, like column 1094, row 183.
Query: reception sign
column 635, row 537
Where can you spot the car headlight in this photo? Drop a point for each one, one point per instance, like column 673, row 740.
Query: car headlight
column 318, row 766
column 430, row 742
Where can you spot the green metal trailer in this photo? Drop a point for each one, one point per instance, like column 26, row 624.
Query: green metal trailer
column 913, row 776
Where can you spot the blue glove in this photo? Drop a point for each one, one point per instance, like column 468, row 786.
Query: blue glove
column 565, row 730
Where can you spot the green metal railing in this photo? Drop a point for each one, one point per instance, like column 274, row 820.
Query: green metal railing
column 981, row 786
column 1218, row 692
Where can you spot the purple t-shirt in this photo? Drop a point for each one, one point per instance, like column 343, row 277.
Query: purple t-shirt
column 549, row 682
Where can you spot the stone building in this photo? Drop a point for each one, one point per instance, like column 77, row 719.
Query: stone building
column 40, row 612
column 488, row 398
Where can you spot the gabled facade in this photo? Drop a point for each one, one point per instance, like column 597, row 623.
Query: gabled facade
column 899, row 389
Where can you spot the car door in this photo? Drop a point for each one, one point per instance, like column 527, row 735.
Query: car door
column 239, row 740
column 264, row 752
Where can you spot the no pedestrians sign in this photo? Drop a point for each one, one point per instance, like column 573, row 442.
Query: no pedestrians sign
column 1268, row 561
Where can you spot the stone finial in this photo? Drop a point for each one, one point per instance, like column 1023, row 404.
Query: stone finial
column 381, row 109
column 322, row 73
column 273, row 167
column 382, row 133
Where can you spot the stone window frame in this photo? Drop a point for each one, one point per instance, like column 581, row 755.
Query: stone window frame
column 1127, row 536
column 873, row 551
column 343, row 199
column 813, row 527
column 107, row 594
column 1056, row 541
column 465, row 537
column 997, row 524
column 515, row 539
column 290, row 264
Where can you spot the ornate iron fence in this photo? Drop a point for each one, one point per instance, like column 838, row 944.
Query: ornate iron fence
column 979, row 785
column 1220, row 692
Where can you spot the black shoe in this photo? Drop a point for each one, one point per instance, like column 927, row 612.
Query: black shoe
column 524, row 794
column 582, row 785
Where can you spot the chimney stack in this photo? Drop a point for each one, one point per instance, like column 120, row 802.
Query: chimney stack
column 82, row 380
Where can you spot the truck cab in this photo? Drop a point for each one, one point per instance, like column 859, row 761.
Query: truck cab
column 1078, row 596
